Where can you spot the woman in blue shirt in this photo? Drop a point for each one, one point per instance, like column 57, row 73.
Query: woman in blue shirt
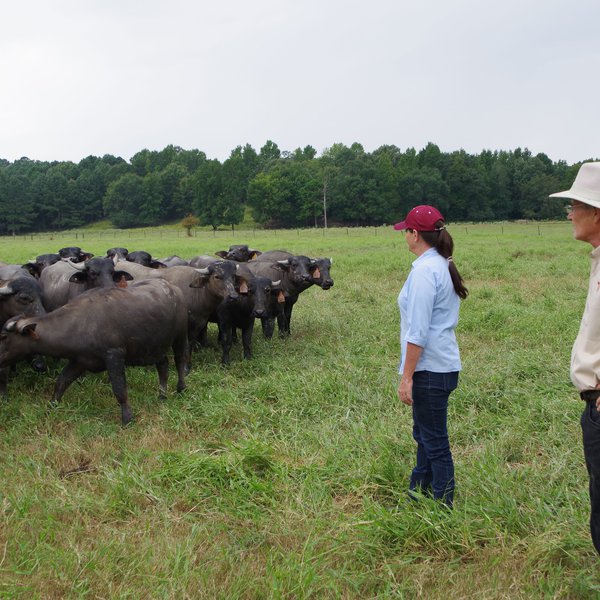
column 429, row 303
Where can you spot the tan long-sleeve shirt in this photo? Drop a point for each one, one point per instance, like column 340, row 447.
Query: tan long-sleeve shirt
column 585, row 357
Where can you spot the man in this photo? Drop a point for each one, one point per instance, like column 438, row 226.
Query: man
column 584, row 213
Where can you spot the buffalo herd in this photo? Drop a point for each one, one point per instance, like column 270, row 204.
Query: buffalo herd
column 128, row 308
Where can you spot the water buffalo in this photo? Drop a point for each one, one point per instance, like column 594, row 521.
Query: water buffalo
column 74, row 253
column 258, row 299
column 201, row 261
column 320, row 273
column 239, row 253
column 71, row 253
column 107, row 329
column 64, row 280
column 203, row 289
column 141, row 257
column 117, row 254
column 13, row 271
column 21, row 295
column 174, row 261
column 295, row 272
column 35, row 267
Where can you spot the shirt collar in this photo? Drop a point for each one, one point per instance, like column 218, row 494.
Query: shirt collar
column 430, row 252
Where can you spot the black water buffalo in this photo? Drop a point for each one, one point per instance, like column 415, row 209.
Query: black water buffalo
column 321, row 275
column 145, row 259
column 107, row 329
column 74, row 253
column 295, row 272
column 201, row 261
column 21, row 295
column 258, row 299
column 140, row 257
column 12, row 271
column 203, row 289
column 64, row 281
column 71, row 253
column 117, row 254
column 239, row 253
column 35, row 267
column 174, row 261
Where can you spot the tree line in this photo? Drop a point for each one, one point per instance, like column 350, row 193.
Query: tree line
column 343, row 186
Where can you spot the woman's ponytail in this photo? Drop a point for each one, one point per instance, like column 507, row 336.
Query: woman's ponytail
column 442, row 241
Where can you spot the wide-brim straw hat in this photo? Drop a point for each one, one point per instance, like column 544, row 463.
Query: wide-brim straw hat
column 586, row 187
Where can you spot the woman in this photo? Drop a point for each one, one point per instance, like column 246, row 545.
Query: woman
column 429, row 303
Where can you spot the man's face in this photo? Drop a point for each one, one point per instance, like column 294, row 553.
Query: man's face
column 586, row 221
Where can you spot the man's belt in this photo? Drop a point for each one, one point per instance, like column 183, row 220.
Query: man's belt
column 590, row 395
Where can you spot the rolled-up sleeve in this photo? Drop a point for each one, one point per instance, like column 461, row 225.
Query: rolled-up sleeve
column 421, row 298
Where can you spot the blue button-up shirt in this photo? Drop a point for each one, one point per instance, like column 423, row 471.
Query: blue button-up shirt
column 429, row 314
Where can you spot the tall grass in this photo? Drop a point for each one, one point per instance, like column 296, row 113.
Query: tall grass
column 285, row 476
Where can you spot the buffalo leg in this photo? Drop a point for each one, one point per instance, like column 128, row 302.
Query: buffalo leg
column 181, row 354
column 4, row 381
column 225, row 343
column 282, row 325
column 67, row 376
column 162, row 367
column 115, row 365
column 201, row 337
column 268, row 324
column 287, row 319
column 247, row 339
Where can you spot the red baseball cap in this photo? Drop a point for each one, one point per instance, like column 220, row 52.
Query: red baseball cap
column 421, row 218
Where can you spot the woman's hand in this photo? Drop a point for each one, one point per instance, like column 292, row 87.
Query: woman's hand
column 405, row 390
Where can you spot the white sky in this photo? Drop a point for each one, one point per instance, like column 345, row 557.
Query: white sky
column 81, row 77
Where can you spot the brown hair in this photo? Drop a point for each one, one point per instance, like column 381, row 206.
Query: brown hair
column 442, row 241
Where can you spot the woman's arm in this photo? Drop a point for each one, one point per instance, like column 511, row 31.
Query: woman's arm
column 413, row 353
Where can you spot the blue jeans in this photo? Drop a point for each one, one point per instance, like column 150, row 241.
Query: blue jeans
column 590, row 427
column 434, row 471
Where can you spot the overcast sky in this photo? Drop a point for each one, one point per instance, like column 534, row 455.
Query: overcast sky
column 81, row 77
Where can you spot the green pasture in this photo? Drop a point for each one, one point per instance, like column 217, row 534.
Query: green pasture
column 285, row 476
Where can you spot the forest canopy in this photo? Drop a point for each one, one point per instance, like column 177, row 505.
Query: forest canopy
column 343, row 186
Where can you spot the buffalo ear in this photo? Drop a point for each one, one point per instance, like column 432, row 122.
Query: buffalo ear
column 200, row 280
column 243, row 286
column 221, row 253
column 79, row 277
column 122, row 277
column 254, row 254
column 30, row 331
column 156, row 264
column 86, row 256
column 281, row 265
column 33, row 268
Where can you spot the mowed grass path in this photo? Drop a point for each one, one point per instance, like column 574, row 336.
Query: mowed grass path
column 285, row 476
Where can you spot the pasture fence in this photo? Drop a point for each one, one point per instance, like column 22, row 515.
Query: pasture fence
column 525, row 228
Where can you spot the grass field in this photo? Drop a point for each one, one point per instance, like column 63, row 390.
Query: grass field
column 285, row 476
